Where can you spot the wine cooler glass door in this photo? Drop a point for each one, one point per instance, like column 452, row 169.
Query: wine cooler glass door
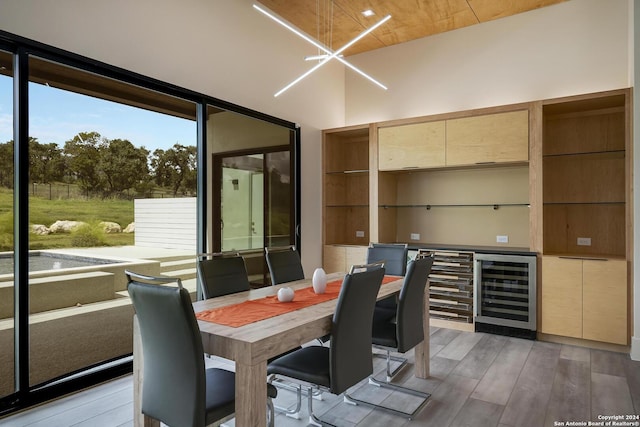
column 505, row 290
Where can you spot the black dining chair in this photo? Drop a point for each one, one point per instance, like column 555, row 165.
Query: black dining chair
column 221, row 274
column 284, row 264
column 394, row 256
column 348, row 359
column 176, row 388
column 404, row 332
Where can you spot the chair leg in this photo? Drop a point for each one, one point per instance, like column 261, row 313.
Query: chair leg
column 402, row 360
column 282, row 385
column 387, row 384
column 313, row 420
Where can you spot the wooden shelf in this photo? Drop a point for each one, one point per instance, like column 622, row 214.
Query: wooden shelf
column 355, row 171
column 584, row 167
column 484, row 205
column 345, row 190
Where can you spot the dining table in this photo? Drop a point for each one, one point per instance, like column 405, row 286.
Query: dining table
column 251, row 345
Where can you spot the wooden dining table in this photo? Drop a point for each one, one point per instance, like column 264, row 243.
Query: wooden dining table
column 250, row 346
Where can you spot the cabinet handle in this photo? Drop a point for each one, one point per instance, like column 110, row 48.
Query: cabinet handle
column 410, row 167
column 485, row 163
column 584, row 258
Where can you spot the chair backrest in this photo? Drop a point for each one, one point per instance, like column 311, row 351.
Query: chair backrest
column 409, row 317
column 284, row 265
column 350, row 351
column 221, row 275
column 173, row 358
column 393, row 255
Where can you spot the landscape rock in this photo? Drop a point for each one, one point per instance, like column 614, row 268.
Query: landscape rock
column 110, row 227
column 131, row 228
column 64, row 226
column 40, row 229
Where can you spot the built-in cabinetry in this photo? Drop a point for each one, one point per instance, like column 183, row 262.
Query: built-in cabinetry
column 481, row 139
column 341, row 257
column 551, row 177
column 585, row 185
column 413, row 146
column 585, row 298
column 346, row 197
column 346, row 186
column 490, row 138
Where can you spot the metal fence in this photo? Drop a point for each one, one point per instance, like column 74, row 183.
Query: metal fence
column 57, row 191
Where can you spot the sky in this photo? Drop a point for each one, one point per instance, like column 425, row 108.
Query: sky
column 57, row 116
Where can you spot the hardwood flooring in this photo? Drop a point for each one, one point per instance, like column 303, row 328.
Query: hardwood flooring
column 476, row 380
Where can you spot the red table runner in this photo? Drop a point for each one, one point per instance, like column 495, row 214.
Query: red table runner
column 246, row 312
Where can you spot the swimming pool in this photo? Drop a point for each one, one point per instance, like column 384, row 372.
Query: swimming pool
column 41, row 261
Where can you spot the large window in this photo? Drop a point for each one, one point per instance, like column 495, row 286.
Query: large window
column 112, row 172
column 103, row 167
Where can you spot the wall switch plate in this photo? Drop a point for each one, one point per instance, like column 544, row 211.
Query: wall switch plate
column 359, row 233
column 415, row 236
column 584, row 241
column 502, row 239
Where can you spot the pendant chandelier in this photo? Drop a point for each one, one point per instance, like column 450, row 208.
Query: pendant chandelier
column 325, row 48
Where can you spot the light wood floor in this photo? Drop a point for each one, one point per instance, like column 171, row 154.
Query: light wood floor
column 476, row 380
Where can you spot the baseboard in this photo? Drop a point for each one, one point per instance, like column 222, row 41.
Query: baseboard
column 584, row 343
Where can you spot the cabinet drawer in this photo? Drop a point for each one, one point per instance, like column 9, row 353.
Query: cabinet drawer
column 419, row 145
column 451, row 286
column 493, row 138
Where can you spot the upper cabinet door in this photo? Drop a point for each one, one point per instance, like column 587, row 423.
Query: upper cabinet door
column 419, row 145
column 492, row 138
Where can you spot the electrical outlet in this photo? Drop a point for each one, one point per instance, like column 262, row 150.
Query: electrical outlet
column 359, row 233
column 584, row 241
column 502, row 239
column 415, row 236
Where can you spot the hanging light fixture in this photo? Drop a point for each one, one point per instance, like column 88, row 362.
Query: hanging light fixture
column 328, row 54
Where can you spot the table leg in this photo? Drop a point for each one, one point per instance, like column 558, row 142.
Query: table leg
column 422, row 349
column 139, row 419
column 251, row 394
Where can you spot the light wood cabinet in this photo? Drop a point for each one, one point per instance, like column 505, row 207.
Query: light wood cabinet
column 419, row 145
column 491, row 138
column 585, row 298
column 561, row 304
column 340, row 258
column 604, row 299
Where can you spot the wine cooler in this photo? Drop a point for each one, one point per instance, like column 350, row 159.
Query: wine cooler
column 505, row 294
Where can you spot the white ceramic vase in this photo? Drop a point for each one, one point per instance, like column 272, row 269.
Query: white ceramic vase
column 285, row 294
column 319, row 281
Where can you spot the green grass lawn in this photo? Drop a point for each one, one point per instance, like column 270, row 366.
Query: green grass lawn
column 44, row 211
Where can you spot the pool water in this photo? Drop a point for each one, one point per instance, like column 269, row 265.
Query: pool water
column 40, row 261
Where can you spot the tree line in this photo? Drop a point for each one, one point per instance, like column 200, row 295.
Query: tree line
column 106, row 167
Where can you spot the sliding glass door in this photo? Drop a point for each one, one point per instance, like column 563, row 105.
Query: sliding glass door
column 7, row 324
column 253, row 188
column 255, row 201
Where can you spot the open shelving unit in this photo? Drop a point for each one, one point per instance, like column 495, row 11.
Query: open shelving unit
column 586, row 187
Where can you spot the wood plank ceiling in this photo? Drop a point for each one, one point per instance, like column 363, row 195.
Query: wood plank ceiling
column 410, row 19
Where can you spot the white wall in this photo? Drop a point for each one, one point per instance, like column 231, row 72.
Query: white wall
column 574, row 47
column 223, row 48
